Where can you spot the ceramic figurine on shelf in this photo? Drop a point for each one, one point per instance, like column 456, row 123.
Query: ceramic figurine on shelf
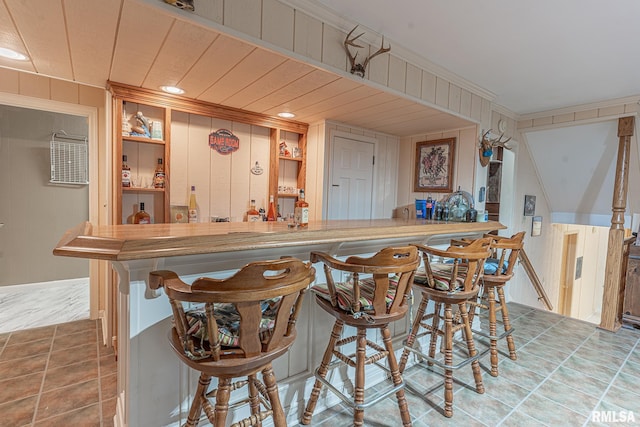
column 142, row 126
column 284, row 151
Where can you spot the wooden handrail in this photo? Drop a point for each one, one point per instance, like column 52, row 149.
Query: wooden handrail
column 533, row 277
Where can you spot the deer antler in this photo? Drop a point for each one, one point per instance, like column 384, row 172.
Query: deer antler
column 351, row 42
column 360, row 69
column 486, row 142
column 487, row 145
column 380, row 51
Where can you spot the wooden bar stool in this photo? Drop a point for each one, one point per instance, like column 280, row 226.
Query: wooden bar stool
column 498, row 270
column 450, row 278
column 246, row 321
column 374, row 294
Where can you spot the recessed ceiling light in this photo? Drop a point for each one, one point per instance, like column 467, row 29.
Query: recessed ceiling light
column 286, row 115
column 12, row 54
column 172, row 89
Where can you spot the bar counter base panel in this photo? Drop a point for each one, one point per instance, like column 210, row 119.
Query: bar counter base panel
column 153, row 386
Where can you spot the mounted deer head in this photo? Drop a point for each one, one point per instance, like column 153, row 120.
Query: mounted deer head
column 487, row 145
column 360, row 69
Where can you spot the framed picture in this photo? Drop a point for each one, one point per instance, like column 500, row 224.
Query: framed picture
column 179, row 214
column 529, row 205
column 536, row 226
column 434, row 166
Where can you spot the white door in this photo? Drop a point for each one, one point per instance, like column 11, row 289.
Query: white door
column 351, row 185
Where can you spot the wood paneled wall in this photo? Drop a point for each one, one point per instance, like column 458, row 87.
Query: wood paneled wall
column 224, row 183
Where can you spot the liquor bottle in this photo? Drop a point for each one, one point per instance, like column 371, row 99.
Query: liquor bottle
column 252, row 214
column 158, row 177
column 438, row 215
column 126, row 173
column 279, row 216
column 471, row 215
column 141, row 217
column 271, row 213
column 193, row 207
column 301, row 211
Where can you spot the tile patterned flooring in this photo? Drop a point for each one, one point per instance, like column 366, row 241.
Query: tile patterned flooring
column 566, row 368
column 58, row 375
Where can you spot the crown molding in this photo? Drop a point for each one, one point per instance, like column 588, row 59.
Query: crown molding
column 582, row 107
column 504, row 111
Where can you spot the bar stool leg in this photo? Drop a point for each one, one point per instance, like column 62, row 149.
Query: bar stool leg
column 196, row 405
column 254, row 402
column 471, row 347
column 507, row 324
column 222, row 401
column 448, row 360
column 482, row 296
column 361, row 355
column 493, row 330
column 396, row 377
column 415, row 327
column 434, row 328
column 279, row 419
column 322, row 372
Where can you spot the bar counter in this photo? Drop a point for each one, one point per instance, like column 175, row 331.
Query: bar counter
column 131, row 242
column 154, row 388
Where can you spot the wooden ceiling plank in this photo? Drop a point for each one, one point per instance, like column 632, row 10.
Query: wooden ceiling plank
column 35, row 18
column 281, row 76
column 140, row 36
column 327, row 91
column 10, row 38
column 90, row 55
column 343, row 102
column 258, row 63
column 419, row 113
column 218, row 60
column 183, row 47
column 281, row 99
column 379, row 105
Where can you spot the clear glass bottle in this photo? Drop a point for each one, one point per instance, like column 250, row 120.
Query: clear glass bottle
column 141, row 217
column 301, row 211
column 193, row 207
column 252, row 214
column 126, row 172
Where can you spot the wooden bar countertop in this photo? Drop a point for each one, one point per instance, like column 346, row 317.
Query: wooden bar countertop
column 134, row 242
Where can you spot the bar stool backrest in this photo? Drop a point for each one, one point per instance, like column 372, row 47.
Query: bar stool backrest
column 504, row 254
column 459, row 267
column 391, row 270
column 274, row 286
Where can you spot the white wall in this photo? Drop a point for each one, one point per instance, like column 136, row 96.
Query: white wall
column 36, row 213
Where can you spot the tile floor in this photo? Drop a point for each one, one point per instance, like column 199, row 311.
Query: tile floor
column 57, row 375
column 566, row 369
